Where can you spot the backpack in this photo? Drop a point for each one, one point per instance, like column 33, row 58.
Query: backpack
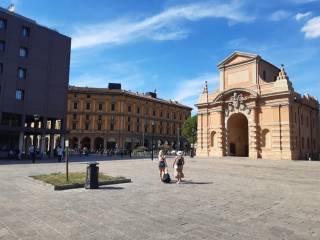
column 179, row 162
column 166, row 178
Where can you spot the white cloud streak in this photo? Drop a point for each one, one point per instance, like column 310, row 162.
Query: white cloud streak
column 279, row 15
column 160, row 27
column 312, row 28
column 300, row 16
column 190, row 89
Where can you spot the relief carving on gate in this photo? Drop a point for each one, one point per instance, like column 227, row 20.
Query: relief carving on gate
column 237, row 104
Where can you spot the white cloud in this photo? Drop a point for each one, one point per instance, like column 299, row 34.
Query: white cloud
column 128, row 73
column 312, row 28
column 163, row 26
column 191, row 89
column 303, row 1
column 300, row 16
column 279, row 15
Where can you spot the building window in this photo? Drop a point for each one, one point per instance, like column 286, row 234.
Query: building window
column 138, row 128
column 129, row 119
column 87, row 117
column 22, row 73
column 25, row 31
column 74, row 116
column 88, row 106
column 307, row 122
column 153, row 112
column 75, row 105
column 19, row 95
column 138, row 110
column 213, row 134
column 180, row 116
column 266, row 139
column 2, row 46
column 301, row 119
column 3, row 23
column 129, row 108
column 161, row 114
column 174, row 116
column 100, row 106
column 129, row 128
column 74, row 126
column 88, row 96
column 111, row 126
column 113, row 106
column 1, row 68
column 99, row 126
column 23, row 52
column 87, row 126
column 264, row 75
column 168, row 115
column 99, row 117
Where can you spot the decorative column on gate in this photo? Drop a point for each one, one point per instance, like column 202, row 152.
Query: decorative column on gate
column 253, row 134
column 221, row 135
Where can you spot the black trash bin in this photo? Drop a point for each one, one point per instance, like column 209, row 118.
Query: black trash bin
column 92, row 177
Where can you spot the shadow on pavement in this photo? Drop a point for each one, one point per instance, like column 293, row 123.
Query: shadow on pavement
column 110, row 188
column 194, row 182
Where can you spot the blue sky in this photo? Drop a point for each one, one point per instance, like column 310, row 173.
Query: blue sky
column 173, row 46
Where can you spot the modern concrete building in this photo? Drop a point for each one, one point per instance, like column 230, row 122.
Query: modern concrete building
column 257, row 113
column 34, row 76
column 112, row 118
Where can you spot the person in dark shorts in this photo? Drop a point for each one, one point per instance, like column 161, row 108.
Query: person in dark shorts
column 162, row 163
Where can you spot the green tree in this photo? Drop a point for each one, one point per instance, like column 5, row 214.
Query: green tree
column 189, row 129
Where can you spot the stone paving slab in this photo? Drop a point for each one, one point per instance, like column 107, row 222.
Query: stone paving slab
column 229, row 198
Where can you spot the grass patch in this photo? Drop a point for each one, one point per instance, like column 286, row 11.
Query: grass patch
column 59, row 179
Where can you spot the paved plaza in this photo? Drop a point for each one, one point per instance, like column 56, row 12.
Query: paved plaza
column 231, row 198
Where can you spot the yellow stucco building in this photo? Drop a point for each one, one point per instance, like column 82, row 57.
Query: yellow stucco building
column 113, row 118
column 256, row 113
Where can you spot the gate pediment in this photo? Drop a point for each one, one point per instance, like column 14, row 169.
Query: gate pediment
column 230, row 93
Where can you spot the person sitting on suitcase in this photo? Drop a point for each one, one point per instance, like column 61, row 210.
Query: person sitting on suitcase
column 162, row 163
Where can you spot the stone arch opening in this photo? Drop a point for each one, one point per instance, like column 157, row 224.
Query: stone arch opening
column 238, row 135
column 98, row 144
column 86, row 143
column 74, row 143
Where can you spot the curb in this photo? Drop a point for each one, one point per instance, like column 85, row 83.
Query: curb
column 81, row 185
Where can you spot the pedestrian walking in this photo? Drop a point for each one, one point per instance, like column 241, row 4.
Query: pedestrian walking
column 32, row 153
column 60, row 153
column 178, row 166
column 162, row 163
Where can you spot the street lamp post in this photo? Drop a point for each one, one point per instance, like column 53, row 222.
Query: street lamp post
column 192, row 149
column 33, row 155
column 67, row 159
column 152, row 123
